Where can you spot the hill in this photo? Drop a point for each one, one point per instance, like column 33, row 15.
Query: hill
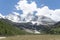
column 8, row 29
column 55, row 29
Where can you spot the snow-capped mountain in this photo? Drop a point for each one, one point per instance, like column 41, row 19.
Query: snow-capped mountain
column 45, row 20
column 34, row 19
column 13, row 17
column 1, row 16
column 30, row 23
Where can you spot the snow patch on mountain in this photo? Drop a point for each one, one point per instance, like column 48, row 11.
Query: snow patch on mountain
column 15, row 17
column 1, row 16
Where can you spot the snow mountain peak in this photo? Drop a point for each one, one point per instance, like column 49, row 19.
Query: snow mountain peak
column 1, row 16
column 34, row 19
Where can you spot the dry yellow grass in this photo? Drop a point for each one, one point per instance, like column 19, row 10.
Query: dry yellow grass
column 34, row 37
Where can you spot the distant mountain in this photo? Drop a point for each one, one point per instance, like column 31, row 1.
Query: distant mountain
column 7, row 27
column 34, row 19
column 30, row 18
column 30, row 23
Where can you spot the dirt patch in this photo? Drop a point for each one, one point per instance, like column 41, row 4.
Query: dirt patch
column 2, row 37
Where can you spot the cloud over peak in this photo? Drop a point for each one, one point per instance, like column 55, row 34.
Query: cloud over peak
column 30, row 8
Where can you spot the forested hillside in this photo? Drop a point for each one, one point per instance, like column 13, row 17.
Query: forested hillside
column 8, row 29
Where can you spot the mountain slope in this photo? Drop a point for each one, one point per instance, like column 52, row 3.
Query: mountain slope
column 55, row 29
column 8, row 29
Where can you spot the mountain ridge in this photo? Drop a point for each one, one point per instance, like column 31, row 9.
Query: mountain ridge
column 29, row 18
column 34, row 28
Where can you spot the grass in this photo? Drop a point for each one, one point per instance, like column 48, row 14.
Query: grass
column 33, row 37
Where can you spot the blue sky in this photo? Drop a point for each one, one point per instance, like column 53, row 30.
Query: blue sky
column 7, row 6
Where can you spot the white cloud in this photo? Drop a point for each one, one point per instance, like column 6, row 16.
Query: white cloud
column 42, row 11
column 15, row 13
column 27, row 8
column 57, row 12
column 30, row 8
column 53, row 14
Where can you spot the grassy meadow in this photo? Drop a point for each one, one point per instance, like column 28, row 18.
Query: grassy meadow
column 33, row 37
